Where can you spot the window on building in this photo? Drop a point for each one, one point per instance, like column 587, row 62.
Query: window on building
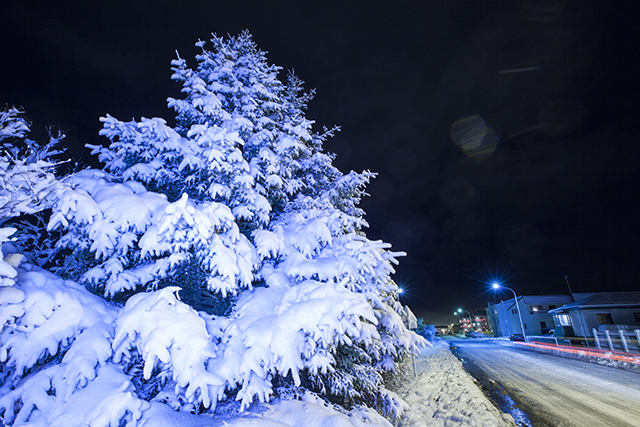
column 543, row 325
column 605, row 318
column 637, row 317
column 551, row 306
column 562, row 319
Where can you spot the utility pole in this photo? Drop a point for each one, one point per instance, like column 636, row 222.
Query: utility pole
column 569, row 286
column 580, row 315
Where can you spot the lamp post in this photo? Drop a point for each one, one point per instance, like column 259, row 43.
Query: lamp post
column 462, row 309
column 515, row 298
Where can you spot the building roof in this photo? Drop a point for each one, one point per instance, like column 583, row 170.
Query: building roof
column 602, row 300
column 537, row 299
column 547, row 299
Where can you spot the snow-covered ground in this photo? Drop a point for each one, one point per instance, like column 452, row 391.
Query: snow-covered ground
column 442, row 394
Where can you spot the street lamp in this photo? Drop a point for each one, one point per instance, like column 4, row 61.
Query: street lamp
column 515, row 298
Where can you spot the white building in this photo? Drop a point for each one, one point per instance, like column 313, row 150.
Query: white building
column 614, row 310
column 504, row 320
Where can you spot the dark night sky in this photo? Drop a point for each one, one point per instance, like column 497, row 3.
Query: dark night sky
column 559, row 195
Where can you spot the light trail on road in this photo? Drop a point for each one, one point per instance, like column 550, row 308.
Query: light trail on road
column 603, row 354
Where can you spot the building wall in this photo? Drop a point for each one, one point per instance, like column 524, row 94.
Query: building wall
column 503, row 322
column 480, row 323
column 493, row 320
column 498, row 323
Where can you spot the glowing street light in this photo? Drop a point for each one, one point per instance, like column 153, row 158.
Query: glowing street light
column 515, row 298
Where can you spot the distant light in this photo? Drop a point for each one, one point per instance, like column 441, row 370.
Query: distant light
column 496, row 286
column 400, row 290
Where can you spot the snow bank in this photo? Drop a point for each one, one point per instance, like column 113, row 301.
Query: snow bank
column 444, row 394
column 310, row 411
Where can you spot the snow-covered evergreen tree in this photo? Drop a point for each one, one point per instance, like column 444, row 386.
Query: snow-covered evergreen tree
column 26, row 168
column 236, row 248
column 28, row 185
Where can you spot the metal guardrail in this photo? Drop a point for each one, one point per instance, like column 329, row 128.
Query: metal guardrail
column 621, row 340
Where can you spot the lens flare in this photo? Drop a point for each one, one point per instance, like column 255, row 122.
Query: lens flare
column 475, row 137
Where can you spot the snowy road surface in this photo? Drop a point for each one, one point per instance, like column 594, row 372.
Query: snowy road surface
column 553, row 390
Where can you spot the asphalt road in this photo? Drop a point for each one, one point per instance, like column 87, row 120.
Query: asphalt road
column 552, row 391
